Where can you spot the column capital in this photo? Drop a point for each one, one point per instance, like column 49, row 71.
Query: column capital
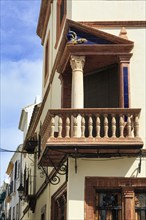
column 77, row 62
column 125, row 58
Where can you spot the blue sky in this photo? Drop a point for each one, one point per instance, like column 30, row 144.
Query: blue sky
column 20, row 69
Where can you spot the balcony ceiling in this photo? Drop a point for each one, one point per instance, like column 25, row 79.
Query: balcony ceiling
column 55, row 151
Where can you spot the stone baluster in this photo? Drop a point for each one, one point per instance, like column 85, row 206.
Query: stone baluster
column 105, row 125
column 60, row 127
column 121, row 126
column 75, row 127
column 67, row 127
column 52, row 125
column 136, row 126
column 90, row 126
column 113, row 126
column 83, row 127
column 97, row 126
column 129, row 134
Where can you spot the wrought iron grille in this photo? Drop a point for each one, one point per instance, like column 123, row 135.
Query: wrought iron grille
column 108, row 205
column 140, row 206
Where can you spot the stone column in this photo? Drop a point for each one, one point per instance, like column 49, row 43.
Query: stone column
column 77, row 64
column 77, row 93
column 129, row 205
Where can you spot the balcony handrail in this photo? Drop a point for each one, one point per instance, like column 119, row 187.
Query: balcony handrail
column 135, row 111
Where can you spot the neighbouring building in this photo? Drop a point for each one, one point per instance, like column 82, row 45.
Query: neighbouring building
column 87, row 138
column 3, row 208
column 20, row 166
column 14, row 172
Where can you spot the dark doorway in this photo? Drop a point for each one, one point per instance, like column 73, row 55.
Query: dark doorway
column 101, row 88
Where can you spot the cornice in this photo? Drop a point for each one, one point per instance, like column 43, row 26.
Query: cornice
column 31, row 129
column 121, row 50
column 113, row 24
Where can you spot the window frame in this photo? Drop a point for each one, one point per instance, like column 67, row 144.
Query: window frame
column 128, row 187
column 47, row 58
column 43, row 212
column 61, row 193
column 60, row 23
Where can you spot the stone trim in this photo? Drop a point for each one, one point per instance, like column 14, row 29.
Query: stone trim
column 61, row 192
column 59, row 26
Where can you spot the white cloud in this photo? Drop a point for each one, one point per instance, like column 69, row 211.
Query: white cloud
column 21, row 81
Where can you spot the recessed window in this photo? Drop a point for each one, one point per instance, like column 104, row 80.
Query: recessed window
column 108, row 204
column 115, row 198
column 140, row 205
column 61, row 15
column 43, row 213
column 59, row 204
column 47, row 54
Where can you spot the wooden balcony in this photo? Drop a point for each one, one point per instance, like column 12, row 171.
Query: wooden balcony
column 89, row 133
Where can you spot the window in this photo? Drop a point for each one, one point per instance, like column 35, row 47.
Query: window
column 26, row 181
column 18, row 170
column 15, row 174
column 14, row 213
column 47, row 48
column 10, row 213
column 61, row 15
column 59, row 204
column 115, row 198
column 108, row 204
column 140, row 205
column 43, row 213
column 17, row 211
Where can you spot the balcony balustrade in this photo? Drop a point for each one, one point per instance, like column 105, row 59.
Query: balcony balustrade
column 91, row 126
column 87, row 132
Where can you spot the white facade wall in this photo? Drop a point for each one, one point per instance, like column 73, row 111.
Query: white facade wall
column 83, row 10
column 103, row 167
column 107, row 10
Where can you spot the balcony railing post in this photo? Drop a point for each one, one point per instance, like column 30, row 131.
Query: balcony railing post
column 121, row 125
column 97, row 125
column 67, row 127
column 83, row 127
column 129, row 134
column 136, row 126
column 113, row 126
column 60, row 127
column 90, row 126
column 105, row 125
column 75, row 127
column 52, row 127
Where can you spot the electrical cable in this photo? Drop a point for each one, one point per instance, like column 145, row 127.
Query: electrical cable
column 2, row 150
